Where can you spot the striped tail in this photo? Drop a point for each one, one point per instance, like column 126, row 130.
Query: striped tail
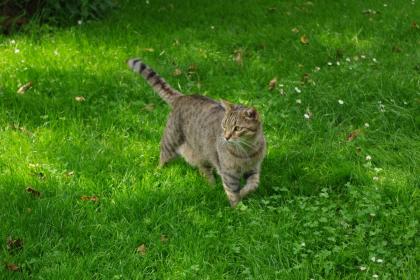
column 159, row 85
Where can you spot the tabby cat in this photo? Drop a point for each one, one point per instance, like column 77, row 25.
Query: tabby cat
column 210, row 135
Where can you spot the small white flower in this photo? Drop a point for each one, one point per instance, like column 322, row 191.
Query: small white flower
column 372, row 215
column 405, row 102
column 385, row 5
column 329, row 63
column 338, row 63
column 366, row 125
column 377, row 169
column 297, row 90
column 375, row 276
column 317, row 69
column 79, row 22
column 379, row 260
column 298, row 101
column 147, row 2
column 368, row 157
column 212, row 27
column 348, row 59
column 17, row 50
column 307, row 116
column 303, row 244
column 12, row 42
column 373, row 258
column 375, row 178
column 55, row 52
column 374, row 60
column 281, row 85
column 363, row 56
column 362, row 268
column 341, row 102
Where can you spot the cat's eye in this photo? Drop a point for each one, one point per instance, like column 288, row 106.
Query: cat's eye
column 236, row 128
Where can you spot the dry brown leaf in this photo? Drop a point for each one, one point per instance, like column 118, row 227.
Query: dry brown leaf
column 353, row 135
column 33, row 191
column 79, row 98
column 415, row 25
column 22, row 89
column 12, row 267
column 164, row 238
column 272, row 84
column 295, row 30
column 14, row 244
column 177, row 72
column 304, row 39
column 148, row 49
column 142, row 249
column 93, row 198
column 238, row 56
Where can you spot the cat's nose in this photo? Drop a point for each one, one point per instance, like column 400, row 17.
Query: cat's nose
column 227, row 136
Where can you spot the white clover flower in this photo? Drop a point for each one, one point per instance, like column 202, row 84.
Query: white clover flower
column 303, row 244
column 366, row 125
column 341, row 102
column 55, row 52
column 363, row 56
column 17, row 50
column 317, row 69
column 298, row 101
column 368, row 157
column 307, row 116
column 79, row 22
column 375, row 178
column 372, row 215
column 373, row 258
column 338, row 63
column 385, row 5
column 374, row 60
column 362, row 268
column 379, row 260
column 348, row 59
column 297, row 90
column 12, row 42
column 329, row 63
column 375, row 276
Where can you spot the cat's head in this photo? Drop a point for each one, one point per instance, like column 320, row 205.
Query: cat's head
column 239, row 122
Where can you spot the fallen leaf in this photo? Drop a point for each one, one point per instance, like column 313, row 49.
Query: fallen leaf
column 14, row 244
column 272, row 84
column 164, row 238
column 415, row 25
column 22, row 89
column 177, row 72
column 142, row 250
column 295, row 30
column 304, row 39
column 148, row 49
column 12, row 267
column 93, row 198
column 33, row 191
column 238, row 56
column 79, row 98
column 353, row 135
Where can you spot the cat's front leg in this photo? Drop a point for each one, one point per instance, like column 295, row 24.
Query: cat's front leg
column 231, row 186
column 252, row 181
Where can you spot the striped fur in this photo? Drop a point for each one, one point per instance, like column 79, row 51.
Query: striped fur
column 213, row 136
column 159, row 85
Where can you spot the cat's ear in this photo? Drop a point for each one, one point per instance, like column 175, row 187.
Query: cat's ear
column 226, row 105
column 251, row 114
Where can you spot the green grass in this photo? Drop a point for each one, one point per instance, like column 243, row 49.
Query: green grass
column 322, row 211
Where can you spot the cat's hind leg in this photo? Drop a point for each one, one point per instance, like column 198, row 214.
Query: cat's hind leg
column 171, row 141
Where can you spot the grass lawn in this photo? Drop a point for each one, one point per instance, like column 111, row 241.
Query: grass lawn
column 339, row 193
